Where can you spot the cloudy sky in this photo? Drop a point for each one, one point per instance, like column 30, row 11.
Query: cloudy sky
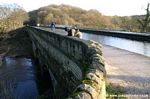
column 106, row 7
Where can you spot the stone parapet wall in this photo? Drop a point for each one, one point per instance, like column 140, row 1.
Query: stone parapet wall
column 76, row 66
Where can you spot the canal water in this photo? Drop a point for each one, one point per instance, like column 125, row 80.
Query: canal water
column 127, row 44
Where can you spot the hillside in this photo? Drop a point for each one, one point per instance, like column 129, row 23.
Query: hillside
column 69, row 15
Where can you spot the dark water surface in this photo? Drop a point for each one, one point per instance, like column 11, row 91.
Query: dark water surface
column 130, row 45
column 18, row 79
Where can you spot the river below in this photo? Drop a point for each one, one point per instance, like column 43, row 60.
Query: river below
column 18, row 79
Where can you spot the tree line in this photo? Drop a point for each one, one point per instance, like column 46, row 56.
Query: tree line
column 68, row 15
column 13, row 17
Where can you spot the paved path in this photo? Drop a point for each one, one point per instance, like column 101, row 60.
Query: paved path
column 127, row 69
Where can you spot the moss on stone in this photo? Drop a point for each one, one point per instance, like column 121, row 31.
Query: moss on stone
column 90, row 82
column 86, row 81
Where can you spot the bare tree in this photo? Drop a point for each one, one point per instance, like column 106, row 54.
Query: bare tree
column 145, row 21
column 11, row 17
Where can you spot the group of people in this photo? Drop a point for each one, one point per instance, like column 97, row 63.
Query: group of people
column 73, row 32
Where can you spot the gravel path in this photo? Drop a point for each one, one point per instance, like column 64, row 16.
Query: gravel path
column 128, row 70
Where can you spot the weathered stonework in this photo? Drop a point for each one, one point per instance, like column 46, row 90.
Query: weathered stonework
column 76, row 66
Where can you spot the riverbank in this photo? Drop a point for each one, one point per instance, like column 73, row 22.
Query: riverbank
column 16, row 44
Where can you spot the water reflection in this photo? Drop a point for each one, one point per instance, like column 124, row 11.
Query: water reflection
column 130, row 45
column 17, row 79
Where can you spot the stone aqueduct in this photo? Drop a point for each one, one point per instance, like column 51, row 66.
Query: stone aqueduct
column 76, row 66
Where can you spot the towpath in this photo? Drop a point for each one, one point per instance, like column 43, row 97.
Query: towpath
column 128, row 70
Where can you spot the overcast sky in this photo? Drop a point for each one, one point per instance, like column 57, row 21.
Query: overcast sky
column 106, row 7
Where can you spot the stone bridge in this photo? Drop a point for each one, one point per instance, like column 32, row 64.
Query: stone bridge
column 76, row 66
